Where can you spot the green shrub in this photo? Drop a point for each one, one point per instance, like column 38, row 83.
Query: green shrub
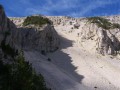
column 20, row 76
column 36, row 20
column 115, row 25
column 103, row 23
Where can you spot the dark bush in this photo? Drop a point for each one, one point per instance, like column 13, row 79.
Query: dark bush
column 7, row 49
column 7, row 33
column 103, row 23
column 20, row 76
column 43, row 52
column 49, row 59
column 36, row 20
column 116, row 25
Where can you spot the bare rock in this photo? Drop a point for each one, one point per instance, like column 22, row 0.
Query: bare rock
column 28, row 38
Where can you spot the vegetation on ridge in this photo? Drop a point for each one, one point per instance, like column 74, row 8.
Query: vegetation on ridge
column 17, row 74
column 20, row 76
column 103, row 23
column 36, row 20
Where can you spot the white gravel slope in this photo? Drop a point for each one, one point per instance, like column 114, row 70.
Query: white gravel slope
column 56, row 78
column 73, row 68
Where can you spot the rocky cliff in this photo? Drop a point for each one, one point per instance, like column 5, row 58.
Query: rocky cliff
column 101, row 33
column 102, row 39
column 31, row 37
column 83, row 42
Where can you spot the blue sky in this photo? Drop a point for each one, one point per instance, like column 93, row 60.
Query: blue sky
column 74, row 8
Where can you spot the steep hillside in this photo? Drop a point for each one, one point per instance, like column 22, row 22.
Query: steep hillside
column 102, row 32
column 88, row 56
column 15, row 72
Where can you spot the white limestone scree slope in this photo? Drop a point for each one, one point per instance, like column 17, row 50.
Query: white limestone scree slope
column 87, row 58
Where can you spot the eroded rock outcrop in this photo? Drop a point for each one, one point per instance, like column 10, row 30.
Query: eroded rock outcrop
column 106, row 41
column 43, row 38
column 100, row 36
column 101, row 40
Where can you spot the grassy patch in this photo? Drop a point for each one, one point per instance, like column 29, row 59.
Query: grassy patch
column 103, row 23
column 36, row 20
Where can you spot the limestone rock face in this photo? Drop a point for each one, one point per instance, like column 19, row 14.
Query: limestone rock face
column 43, row 38
column 89, row 36
column 105, row 41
